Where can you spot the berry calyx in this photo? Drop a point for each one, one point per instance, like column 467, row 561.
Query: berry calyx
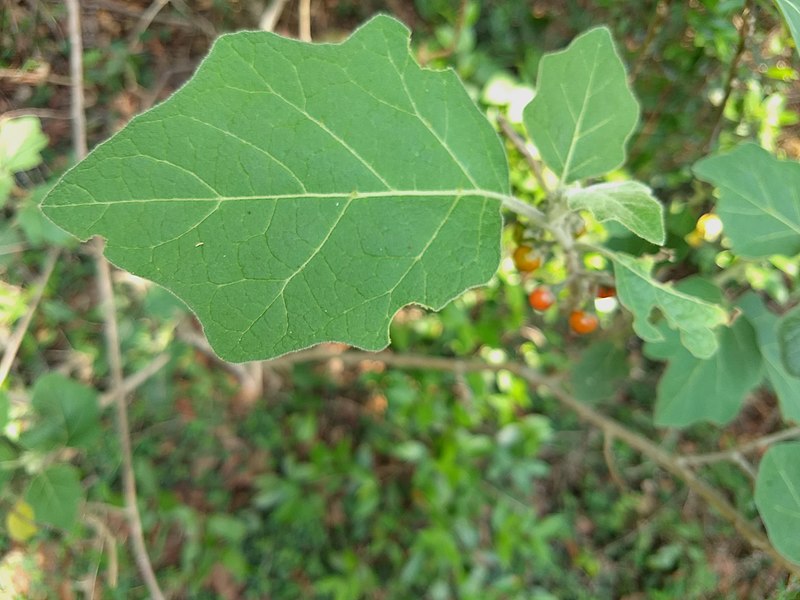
column 525, row 259
column 582, row 322
column 606, row 291
column 541, row 298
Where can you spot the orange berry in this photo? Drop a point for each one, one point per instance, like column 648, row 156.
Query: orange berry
column 606, row 291
column 582, row 322
column 541, row 298
column 525, row 259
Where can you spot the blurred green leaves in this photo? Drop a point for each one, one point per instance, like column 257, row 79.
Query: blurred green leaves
column 759, row 199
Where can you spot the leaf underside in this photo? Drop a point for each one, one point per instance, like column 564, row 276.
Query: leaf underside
column 778, row 497
column 584, row 111
column 693, row 317
column 759, row 202
column 293, row 194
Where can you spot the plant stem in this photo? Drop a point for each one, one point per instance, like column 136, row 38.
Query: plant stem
column 744, row 33
column 18, row 335
column 519, row 144
column 109, row 320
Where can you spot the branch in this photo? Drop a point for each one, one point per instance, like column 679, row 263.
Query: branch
column 522, row 147
column 735, row 454
column 608, row 426
column 131, row 383
column 109, row 318
column 17, row 336
column 271, row 15
column 304, row 21
column 744, row 33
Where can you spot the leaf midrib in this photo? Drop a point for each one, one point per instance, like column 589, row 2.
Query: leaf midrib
column 301, row 196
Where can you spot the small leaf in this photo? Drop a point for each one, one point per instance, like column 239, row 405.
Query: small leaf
column 55, row 495
column 759, row 202
column 7, row 456
column 598, row 372
column 628, row 202
column 584, row 111
column 694, row 318
column 791, row 12
column 67, row 414
column 783, row 383
column 722, row 381
column 778, row 497
column 20, row 522
column 21, row 141
column 293, row 194
column 789, row 341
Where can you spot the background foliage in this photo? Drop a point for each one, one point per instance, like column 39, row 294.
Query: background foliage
column 341, row 481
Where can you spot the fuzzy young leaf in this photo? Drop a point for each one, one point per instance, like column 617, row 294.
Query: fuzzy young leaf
column 293, row 194
column 789, row 341
column 783, row 383
column 693, row 317
column 791, row 12
column 584, row 111
column 778, row 497
column 630, row 203
column 759, row 202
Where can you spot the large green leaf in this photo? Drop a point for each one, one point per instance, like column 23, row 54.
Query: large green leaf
column 55, row 495
column 713, row 389
column 628, row 202
column 66, row 414
column 789, row 341
column 759, row 201
column 778, row 497
column 791, row 12
column 583, row 112
column 693, row 317
column 784, row 384
column 292, row 194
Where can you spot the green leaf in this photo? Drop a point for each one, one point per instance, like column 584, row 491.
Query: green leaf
column 783, row 383
column 628, row 202
column 778, row 497
column 39, row 230
column 791, row 12
column 21, row 141
column 55, row 495
column 584, row 111
column 7, row 455
column 759, row 202
column 789, row 341
column 293, row 194
column 67, row 414
column 722, row 381
column 693, row 317
column 598, row 372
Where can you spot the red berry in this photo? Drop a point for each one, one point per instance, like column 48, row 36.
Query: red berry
column 582, row 322
column 525, row 259
column 541, row 298
column 606, row 291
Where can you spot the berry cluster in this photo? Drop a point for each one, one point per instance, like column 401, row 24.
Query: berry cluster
column 581, row 322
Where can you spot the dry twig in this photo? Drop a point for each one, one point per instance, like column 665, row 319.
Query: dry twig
column 17, row 336
column 109, row 320
column 304, row 31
